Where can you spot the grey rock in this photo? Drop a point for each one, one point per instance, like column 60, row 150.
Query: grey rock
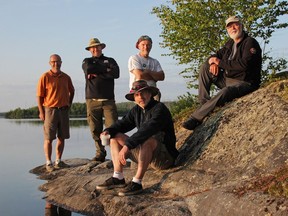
column 219, row 166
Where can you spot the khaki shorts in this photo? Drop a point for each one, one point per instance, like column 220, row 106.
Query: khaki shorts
column 161, row 158
column 56, row 122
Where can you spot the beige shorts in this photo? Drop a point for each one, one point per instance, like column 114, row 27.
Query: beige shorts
column 56, row 122
column 161, row 158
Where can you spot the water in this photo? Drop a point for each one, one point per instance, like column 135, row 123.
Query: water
column 21, row 149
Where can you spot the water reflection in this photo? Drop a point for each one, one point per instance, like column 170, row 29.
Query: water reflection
column 21, row 149
column 52, row 210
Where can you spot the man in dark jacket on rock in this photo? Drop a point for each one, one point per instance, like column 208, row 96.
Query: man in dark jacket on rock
column 152, row 144
column 235, row 69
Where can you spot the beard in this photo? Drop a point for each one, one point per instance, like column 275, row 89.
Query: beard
column 236, row 35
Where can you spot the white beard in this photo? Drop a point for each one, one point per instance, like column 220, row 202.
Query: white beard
column 236, row 35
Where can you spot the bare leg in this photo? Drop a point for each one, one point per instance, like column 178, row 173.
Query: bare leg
column 115, row 147
column 145, row 157
column 60, row 148
column 48, row 149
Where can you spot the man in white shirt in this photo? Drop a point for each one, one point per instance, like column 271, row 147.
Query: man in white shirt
column 143, row 67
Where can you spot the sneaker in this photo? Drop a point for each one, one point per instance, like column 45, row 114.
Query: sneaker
column 60, row 165
column 49, row 167
column 112, row 183
column 131, row 189
column 191, row 124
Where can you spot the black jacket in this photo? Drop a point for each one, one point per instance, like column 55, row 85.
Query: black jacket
column 247, row 62
column 104, row 71
column 149, row 121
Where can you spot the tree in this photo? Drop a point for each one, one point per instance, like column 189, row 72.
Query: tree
column 194, row 29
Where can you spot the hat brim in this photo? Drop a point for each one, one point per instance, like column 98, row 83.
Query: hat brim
column 154, row 91
column 93, row 45
column 232, row 22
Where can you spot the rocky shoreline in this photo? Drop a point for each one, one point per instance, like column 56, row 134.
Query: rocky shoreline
column 230, row 165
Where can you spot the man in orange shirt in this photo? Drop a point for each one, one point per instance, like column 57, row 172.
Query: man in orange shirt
column 55, row 93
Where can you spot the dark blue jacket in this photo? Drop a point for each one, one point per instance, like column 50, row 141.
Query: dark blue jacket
column 153, row 119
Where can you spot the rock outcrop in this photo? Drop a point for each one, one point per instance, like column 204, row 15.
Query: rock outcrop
column 235, row 163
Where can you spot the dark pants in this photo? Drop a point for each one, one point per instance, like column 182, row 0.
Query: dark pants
column 229, row 90
column 96, row 110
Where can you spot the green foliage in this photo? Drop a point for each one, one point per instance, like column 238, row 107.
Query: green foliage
column 273, row 66
column 184, row 102
column 193, row 30
column 124, row 107
column 78, row 110
column 22, row 113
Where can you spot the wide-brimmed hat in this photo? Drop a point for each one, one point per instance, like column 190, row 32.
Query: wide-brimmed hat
column 232, row 19
column 95, row 42
column 138, row 86
column 142, row 38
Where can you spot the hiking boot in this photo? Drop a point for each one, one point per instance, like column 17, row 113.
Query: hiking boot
column 60, row 165
column 131, row 189
column 191, row 124
column 49, row 167
column 112, row 183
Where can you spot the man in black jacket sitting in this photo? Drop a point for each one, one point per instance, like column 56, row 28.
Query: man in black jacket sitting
column 153, row 143
column 235, row 69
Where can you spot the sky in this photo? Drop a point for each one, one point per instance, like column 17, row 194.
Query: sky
column 32, row 30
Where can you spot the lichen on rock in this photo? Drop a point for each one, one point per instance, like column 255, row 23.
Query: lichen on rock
column 219, row 171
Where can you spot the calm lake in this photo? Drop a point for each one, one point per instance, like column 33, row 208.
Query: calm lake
column 21, row 149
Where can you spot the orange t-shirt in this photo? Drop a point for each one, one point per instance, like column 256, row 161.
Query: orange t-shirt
column 55, row 89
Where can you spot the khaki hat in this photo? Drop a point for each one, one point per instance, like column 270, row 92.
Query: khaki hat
column 95, row 42
column 232, row 19
column 142, row 38
column 138, row 86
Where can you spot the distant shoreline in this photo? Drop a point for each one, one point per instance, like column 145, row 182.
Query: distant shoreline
column 77, row 110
